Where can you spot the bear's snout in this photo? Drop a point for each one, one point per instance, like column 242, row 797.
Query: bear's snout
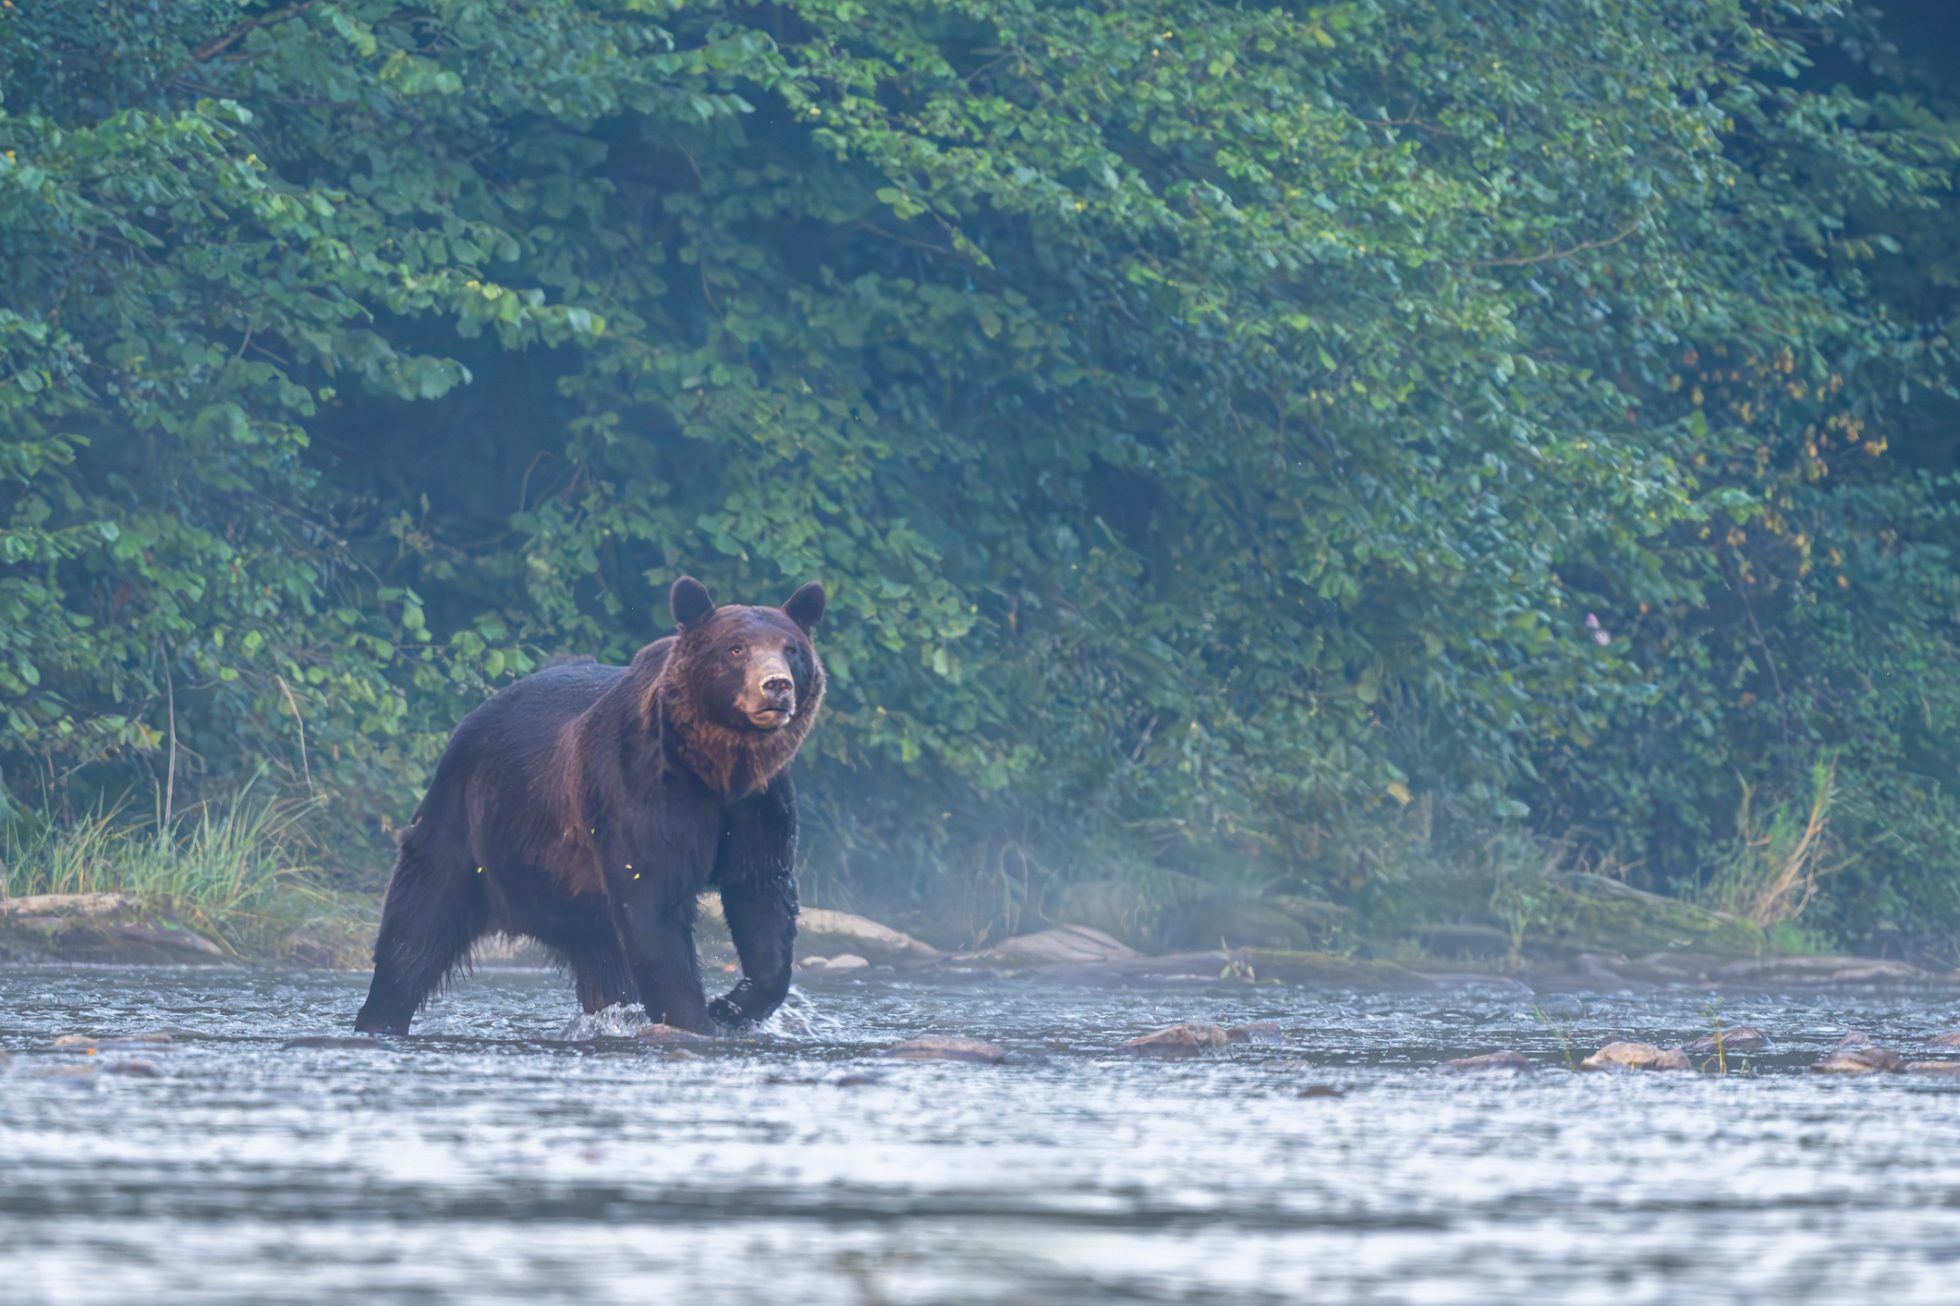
column 771, row 696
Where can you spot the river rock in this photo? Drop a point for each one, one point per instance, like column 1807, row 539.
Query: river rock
column 945, row 1047
column 1636, row 1056
column 1856, row 1038
column 1950, row 1039
column 1258, row 1031
column 1934, row 1067
column 131, row 1069
column 669, row 1034
column 1858, row 1058
column 1236, row 920
column 1187, row 1040
column 1322, row 1090
column 1822, row 970
column 89, row 1044
column 846, row 961
column 1741, row 1038
column 63, row 904
column 823, row 932
column 1515, row 1062
column 1067, row 945
column 346, row 1042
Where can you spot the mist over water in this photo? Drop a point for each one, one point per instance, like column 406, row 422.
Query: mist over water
column 511, row 1150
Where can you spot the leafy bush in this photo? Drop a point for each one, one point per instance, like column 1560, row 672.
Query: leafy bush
column 1220, row 426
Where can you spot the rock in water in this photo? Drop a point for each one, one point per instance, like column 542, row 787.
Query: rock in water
column 669, row 1034
column 846, row 961
column 1488, row 1061
column 1258, row 1031
column 1636, row 1056
column 151, row 1040
column 1950, row 1039
column 1742, row 1038
column 945, row 1047
column 1934, row 1067
column 351, row 1043
column 1865, row 1060
column 1822, row 970
column 1068, row 945
column 1177, row 1041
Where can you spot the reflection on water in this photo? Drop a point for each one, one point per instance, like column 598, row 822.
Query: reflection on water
column 507, row 1150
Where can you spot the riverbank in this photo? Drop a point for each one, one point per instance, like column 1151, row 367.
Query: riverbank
column 116, row 929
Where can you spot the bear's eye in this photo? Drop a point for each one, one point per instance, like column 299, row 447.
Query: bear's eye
column 736, row 651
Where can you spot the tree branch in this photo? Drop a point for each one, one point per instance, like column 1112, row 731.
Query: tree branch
column 1554, row 255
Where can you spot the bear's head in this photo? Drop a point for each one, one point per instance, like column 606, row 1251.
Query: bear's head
column 749, row 670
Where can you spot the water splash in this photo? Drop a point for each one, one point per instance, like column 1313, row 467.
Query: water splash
column 620, row 1020
column 799, row 1017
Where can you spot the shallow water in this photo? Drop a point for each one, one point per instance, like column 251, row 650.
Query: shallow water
column 511, row 1150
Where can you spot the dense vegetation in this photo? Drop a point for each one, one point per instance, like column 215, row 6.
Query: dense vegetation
column 1354, row 452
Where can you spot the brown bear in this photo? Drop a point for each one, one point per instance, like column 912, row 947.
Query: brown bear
column 587, row 807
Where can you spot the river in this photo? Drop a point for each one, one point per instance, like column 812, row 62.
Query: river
column 511, row 1150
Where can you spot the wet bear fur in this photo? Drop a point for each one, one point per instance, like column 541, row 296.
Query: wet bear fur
column 587, row 807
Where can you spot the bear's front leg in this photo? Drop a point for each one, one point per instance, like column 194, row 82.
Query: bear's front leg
column 755, row 869
column 656, row 935
column 762, row 921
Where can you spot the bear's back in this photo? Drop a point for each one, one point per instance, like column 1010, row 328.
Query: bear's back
column 522, row 721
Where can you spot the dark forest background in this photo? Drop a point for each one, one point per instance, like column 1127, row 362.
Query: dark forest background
column 1334, row 468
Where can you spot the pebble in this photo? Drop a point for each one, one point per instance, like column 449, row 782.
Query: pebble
column 1515, row 1062
column 89, row 1044
column 1186, row 1040
column 1934, row 1067
column 846, row 961
column 349, row 1042
column 945, row 1047
column 1742, row 1038
column 669, row 1034
column 1258, row 1031
column 1636, row 1056
column 1859, row 1060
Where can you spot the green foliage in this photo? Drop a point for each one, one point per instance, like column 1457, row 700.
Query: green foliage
column 1220, row 426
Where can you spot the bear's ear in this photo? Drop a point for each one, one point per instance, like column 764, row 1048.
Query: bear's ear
column 690, row 602
column 805, row 607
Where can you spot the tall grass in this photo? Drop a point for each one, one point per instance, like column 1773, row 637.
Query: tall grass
column 1771, row 872
column 241, row 871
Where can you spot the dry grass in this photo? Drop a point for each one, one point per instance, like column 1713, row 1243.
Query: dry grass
column 1772, row 870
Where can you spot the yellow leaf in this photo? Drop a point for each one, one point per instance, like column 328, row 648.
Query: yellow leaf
column 1399, row 792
